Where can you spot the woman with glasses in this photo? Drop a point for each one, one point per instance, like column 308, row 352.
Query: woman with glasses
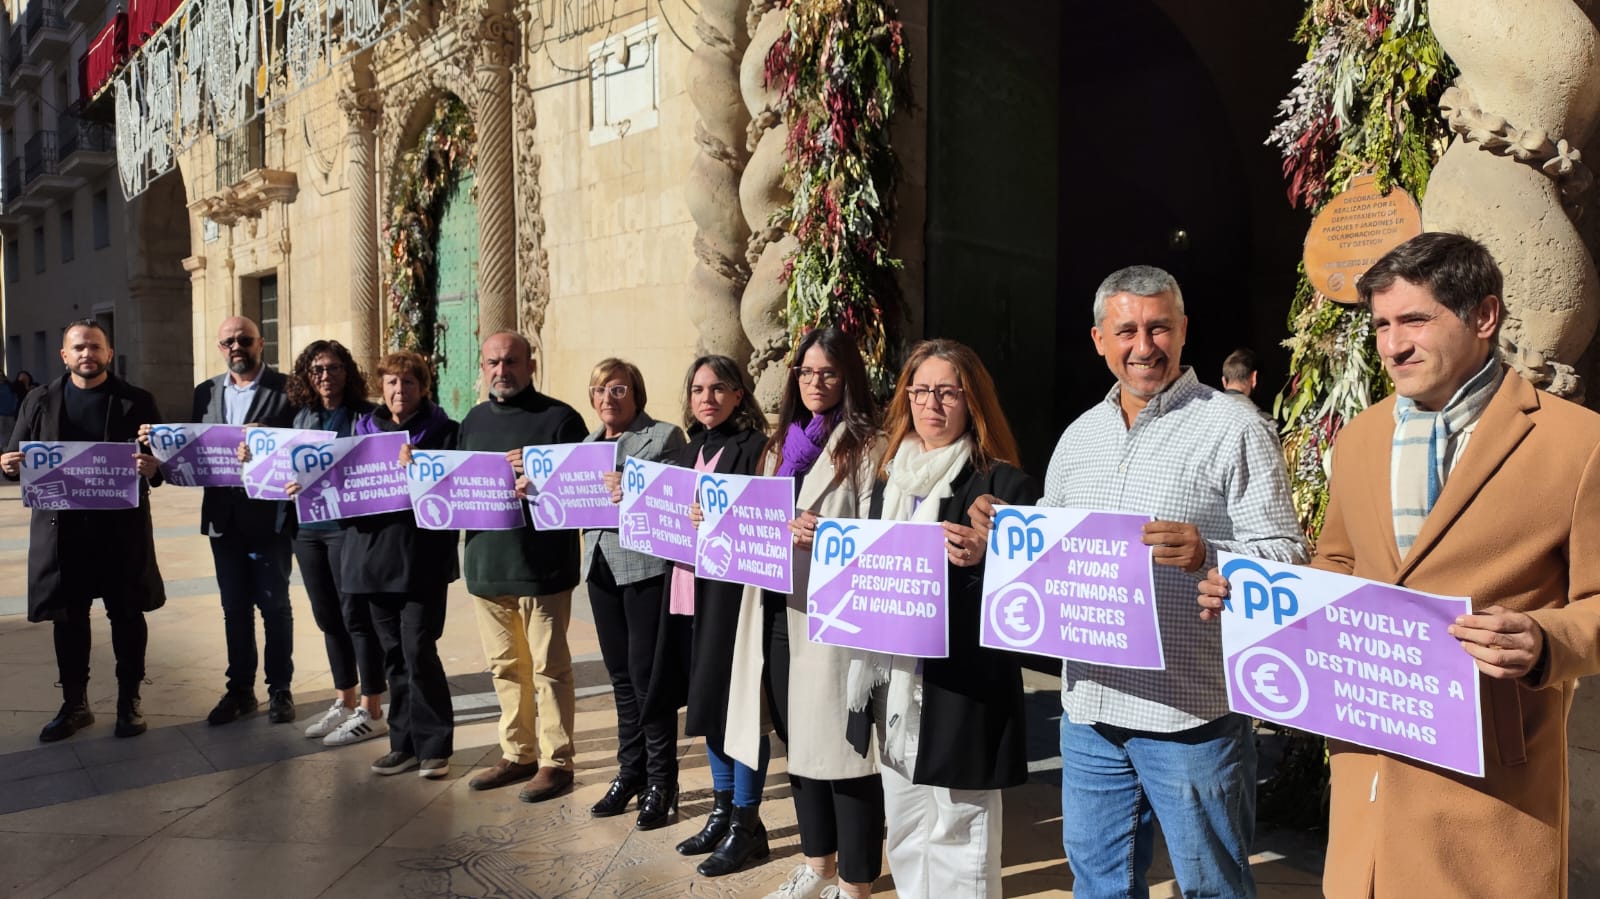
column 950, row 731
column 331, row 393
column 727, row 433
column 627, row 591
column 827, row 440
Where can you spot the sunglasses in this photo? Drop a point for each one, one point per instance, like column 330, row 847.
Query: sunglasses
column 245, row 342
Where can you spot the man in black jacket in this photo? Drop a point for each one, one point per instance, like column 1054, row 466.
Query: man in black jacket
column 250, row 539
column 74, row 556
column 522, row 583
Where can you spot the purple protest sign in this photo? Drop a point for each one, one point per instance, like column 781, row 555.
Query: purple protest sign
column 350, row 477
column 453, row 489
column 79, row 475
column 198, row 455
column 568, row 488
column 270, row 468
column 1352, row 659
column 654, row 515
column 1071, row 584
column 880, row 585
column 744, row 530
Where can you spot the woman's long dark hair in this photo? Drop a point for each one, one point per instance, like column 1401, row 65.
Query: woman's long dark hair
column 749, row 415
column 855, row 410
column 303, row 393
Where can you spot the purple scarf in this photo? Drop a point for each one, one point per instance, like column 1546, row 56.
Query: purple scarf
column 802, row 446
column 424, row 427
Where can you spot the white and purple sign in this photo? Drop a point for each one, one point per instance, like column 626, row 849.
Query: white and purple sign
column 744, row 530
column 79, row 475
column 654, row 514
column 454, row 489
column 270, row 469
column 880, row 585
column 350, row 477
column 567, row 485
column 1352, row 659
column 198, row 455
column 1071, row 584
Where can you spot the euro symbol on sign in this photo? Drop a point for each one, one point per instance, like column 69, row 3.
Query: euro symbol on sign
column 1014, row 619
column 1266, row 681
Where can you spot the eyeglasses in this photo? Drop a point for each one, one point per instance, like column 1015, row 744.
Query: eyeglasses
column 824, row 376
column 615, row 391
column 244, row 342
column 945, row 394
column 318, row 371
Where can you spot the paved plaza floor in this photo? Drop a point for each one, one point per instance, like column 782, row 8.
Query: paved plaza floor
column 257, row 810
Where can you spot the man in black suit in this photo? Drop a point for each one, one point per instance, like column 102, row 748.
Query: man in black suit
column 250, row 539
column 76, row 555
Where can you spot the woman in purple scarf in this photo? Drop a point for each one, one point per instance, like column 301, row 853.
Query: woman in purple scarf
column 827, row 440
column 403, row 573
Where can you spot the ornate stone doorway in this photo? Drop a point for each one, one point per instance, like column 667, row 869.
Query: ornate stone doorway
column 456, row 290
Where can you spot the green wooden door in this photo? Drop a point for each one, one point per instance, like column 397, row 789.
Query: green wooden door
column 458, row 301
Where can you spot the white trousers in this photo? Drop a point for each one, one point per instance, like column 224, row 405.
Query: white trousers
column 941, row 842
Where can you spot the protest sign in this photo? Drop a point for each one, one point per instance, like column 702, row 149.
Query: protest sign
column 881, row 586
column 655, row 510
column 269, row 470
column 350, row 477
column 452, row 489
column 79, row 475
column 744, row 530
column 567, row 488
column 193, row 455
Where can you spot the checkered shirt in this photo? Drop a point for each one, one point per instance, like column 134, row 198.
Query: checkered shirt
column 1193, row 455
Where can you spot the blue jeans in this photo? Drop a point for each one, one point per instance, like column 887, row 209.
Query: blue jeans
column 254, row 576
column 746, row 783
column 1200, row 784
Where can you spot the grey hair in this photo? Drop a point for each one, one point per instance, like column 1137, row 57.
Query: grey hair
column 1139, row 280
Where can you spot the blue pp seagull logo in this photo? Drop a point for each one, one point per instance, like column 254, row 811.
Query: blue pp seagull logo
column 1004, row 515
column 1251, row 566
column 827, row 526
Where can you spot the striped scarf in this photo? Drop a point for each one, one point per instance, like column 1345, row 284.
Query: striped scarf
column 1418, row 462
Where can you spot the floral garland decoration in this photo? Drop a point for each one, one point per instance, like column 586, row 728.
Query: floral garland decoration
column 841, row 68
column 1365, row 100
column 444, row 152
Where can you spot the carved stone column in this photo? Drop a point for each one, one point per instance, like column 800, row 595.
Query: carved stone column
column 712, row 192
column 361, row 108
column 496, row 193
column 761, row 195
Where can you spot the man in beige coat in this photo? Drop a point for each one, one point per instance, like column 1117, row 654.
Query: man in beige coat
column 1467, row 482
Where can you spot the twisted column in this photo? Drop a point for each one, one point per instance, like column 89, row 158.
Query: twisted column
column 496, row 196
column 361, row 108
column 712, row 193
column 761, row 196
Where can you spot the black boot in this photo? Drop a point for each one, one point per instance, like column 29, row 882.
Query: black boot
column 657, row 805
column 130, row 721
column 73, row 717
column 746, row 840
column 616, row 799
column 716, row 826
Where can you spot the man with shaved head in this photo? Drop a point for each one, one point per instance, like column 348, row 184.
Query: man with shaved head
column 250, row 539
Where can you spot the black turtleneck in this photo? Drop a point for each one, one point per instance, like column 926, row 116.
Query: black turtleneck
column 741, row 447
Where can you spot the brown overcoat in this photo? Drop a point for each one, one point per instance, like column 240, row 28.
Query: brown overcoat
column 1517, row 524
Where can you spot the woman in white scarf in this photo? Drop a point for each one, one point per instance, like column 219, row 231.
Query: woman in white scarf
column 950, row 730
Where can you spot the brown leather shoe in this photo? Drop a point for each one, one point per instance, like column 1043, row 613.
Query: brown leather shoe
column 503, row 773
column 547, row 784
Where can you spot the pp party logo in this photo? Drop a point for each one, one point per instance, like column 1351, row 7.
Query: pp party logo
column 1267, row 679
column 1015, row 533
column 168, row 438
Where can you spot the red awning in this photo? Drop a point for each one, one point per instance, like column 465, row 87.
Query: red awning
column 107, row 51
column 145, row 17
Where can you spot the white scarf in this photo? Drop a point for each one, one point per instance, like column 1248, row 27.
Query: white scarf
column 919, row 481
column 1420, row 454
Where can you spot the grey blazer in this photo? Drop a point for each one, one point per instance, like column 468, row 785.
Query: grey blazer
column 651, row 441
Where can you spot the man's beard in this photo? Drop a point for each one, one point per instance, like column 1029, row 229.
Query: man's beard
column 241, row 365
column 89, row 370
column 504, row 391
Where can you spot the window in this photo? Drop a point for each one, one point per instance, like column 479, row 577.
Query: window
column 13, row 355
column 13, row 262
column 269, row 319
column 41, row 354
column 102, row 220
column 67, row 248
column 38, row 249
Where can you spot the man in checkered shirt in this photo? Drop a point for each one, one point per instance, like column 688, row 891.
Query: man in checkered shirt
column 1138, row 745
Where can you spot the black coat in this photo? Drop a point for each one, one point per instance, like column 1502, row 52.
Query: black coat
column 227, row 511
column 973, row 733
column 389, row 553
column 702, row 679
column 76, row 555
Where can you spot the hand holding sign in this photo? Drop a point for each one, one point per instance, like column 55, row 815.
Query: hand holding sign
column 1505, row 644
column 1175, row 543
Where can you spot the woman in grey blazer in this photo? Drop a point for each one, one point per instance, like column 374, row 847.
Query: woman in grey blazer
column 626, row 590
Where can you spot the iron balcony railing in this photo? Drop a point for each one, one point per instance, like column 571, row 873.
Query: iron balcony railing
column 11, row 186
column 14, row 48
column 74, row 134
column 240, row 152
column 39, row 156
column 44, row 14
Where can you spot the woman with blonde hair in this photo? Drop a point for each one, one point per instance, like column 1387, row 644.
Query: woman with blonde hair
column 950, row 731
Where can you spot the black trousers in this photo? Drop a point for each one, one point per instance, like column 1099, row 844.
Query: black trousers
column 408, row 625
column 843, row 816
column 353, row 649
column 775, row 647
column 129, row 636
column 627, row 619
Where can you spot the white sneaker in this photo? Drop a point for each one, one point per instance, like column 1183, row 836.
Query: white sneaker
column 803, row 883
column 830, row 892
column 359, row 726
column 329, row 721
